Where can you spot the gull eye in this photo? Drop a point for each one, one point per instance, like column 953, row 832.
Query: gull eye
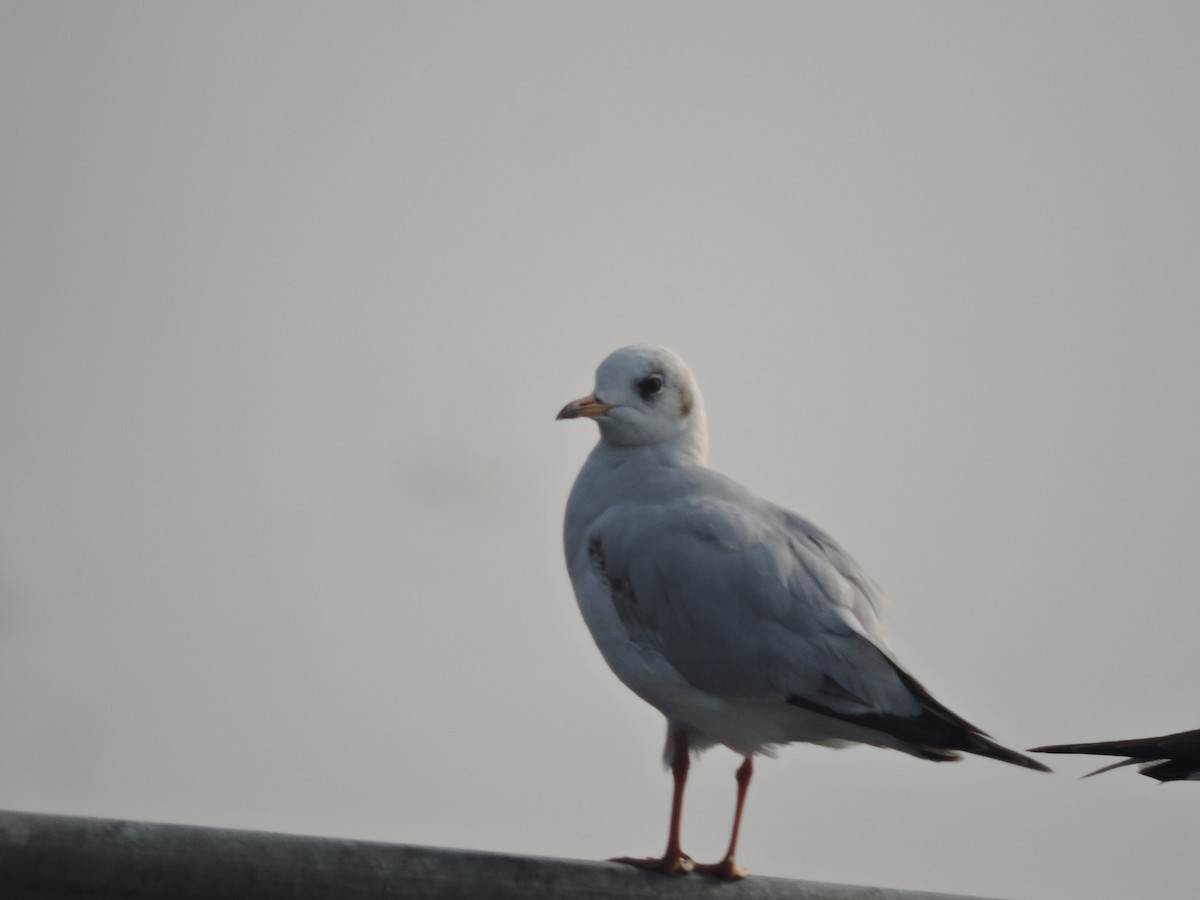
column 651, row 385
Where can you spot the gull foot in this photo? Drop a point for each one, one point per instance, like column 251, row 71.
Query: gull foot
column 726, row 869
column 670, row 864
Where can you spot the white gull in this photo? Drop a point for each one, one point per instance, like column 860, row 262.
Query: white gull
column 743, row 623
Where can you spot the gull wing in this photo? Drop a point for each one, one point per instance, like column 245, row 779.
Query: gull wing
column 1169, row 757
column 749, row 602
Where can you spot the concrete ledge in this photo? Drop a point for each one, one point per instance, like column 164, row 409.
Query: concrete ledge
column 73, row 858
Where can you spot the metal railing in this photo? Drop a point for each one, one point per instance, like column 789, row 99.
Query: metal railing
column 74, row 858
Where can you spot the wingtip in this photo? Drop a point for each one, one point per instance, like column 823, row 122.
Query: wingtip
column 1030, row 763
column 1080, row 748
column 987, row 747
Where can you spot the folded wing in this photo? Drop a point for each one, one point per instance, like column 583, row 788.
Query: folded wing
column 749, row 602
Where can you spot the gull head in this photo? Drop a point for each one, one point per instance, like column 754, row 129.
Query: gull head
column 644, row 396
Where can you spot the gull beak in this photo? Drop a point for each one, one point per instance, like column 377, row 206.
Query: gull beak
column 588, row 407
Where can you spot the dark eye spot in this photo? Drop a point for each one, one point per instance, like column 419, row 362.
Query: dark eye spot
column 685, row 405
column 651, row 385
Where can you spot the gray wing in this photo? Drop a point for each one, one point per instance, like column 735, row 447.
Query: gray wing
column 853, row 588
column 750, row 602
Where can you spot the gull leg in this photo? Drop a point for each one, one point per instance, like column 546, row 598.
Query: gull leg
column 727, row 868
column 674, row 861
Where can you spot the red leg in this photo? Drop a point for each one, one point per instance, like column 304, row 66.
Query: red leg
column 727, row 868
column 674, row 861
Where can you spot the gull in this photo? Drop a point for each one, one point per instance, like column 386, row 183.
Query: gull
column 1170, row 757
column 744, row 624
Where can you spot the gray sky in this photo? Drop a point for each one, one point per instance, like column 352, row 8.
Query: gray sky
column 290, row 294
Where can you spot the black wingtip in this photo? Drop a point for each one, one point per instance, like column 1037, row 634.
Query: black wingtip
column 981, row 745
column 1056, row 748
column 1157, row 763
column 1019, row 759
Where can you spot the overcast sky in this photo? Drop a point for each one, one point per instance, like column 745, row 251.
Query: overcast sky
column 290, row 294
